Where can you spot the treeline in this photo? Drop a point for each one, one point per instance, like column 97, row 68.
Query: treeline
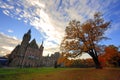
column 110, row 57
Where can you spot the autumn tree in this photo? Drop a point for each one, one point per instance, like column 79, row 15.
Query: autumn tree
column 110, row 57
column 63, row 61
column 84, row 37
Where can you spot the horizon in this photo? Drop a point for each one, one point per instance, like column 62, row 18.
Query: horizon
column 48, row 19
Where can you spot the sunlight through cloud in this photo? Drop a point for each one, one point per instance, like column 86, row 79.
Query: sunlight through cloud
column 51, row 17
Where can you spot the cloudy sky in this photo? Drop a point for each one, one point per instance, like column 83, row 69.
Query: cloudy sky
column 47, row 20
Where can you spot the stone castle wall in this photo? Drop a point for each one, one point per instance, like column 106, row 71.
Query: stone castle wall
column 32, row 57
column 28, row 54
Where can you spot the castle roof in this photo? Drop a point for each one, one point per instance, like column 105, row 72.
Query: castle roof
column 33, row 44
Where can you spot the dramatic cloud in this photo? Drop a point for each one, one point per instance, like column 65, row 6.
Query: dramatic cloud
column 7, row 44
column 51, row 16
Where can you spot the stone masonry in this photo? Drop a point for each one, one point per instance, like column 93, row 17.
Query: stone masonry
column 28, row 54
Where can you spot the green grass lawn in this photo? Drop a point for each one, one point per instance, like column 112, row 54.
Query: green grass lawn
column 6, row 71
column 25, row 73
column 59, row 74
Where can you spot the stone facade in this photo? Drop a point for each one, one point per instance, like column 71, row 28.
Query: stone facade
column 28, row 54
column 49, row 61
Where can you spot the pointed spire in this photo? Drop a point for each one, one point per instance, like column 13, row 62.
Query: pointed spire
column 26, row 37
column 42, row 42
column 41, row 46
column 29, row 31
column 41, row 49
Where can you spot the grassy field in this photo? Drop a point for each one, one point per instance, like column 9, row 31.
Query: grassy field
column 59, row 74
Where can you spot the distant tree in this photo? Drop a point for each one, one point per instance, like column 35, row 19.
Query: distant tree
column 64, row 60
column 111, row 56
column 84, row 37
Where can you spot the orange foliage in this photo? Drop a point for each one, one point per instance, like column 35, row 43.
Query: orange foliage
column 110, row 57
column 75, row 63
column 64, row 60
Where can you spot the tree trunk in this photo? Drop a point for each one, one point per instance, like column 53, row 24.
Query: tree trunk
column 97, row 63
column 95, row 59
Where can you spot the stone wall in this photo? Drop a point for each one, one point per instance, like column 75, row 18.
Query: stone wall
column 28, row 54
column 31, row 58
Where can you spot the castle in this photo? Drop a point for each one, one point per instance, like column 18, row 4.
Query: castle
column 28, row 54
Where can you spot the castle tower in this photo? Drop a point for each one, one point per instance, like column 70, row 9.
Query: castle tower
column 23, row 47
column 25, row 41
column 18, row 53
column 41, row 49
column 26, row 38
column 28, row 54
